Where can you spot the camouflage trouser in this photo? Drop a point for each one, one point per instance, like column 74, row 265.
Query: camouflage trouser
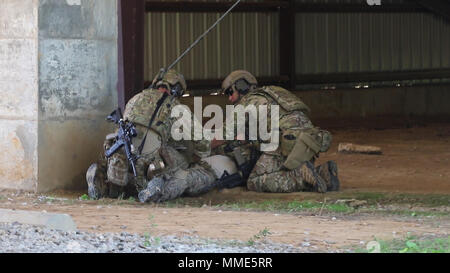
column 100, row 187
column 268, row 175
column 112, row 177
column 193, row 181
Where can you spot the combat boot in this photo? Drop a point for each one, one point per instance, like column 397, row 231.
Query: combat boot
column 329, row 172
column 95, row 177
column 153, row 191
column 310, row 176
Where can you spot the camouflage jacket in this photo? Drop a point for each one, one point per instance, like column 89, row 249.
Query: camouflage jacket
column 140, row 109
column 292, row 112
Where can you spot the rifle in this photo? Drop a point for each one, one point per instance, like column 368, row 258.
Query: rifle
column 127, row 131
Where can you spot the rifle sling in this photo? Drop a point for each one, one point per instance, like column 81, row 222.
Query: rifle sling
column 158, row 106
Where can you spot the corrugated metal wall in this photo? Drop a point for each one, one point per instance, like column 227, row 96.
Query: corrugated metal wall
column 241, row 41
column 326, row 43
column 360, row 42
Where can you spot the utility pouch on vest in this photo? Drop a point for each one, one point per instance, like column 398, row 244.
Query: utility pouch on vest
column 306, row 146
column 117, row 171
column 288, row 140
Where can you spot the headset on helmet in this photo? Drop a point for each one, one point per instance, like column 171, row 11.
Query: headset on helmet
column 241, row 81
column 173, row 81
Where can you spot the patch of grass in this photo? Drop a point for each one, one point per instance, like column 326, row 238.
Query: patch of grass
column 430, row 200
column 312, row 202
column 369, row 196
column 147, row 236
column 413, row 244
column 84, row 197
column 284, row 206
column 307, row 205
column 260, row 235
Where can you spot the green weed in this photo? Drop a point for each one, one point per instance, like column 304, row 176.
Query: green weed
column 260, row 235
column 413, row 244
column 84, row 197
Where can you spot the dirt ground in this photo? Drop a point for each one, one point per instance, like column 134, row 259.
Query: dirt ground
column 414, row 161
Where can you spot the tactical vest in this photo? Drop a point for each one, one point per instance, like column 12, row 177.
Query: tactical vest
column 285, row 99
column 141, row 107
column 300, row 140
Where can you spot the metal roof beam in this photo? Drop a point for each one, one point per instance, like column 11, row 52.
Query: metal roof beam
column 197, row 6
column 363, row 7
column 440, row 7
column 361, row 77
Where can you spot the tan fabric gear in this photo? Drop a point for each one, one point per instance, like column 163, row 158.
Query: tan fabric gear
column 237, row 75
column 305, row 147
column 287, row 100
column 152, row 143
column 117, row 171
column 140, row 109
column 172, row 77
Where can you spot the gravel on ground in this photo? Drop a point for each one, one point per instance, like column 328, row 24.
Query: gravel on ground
column 18, row 238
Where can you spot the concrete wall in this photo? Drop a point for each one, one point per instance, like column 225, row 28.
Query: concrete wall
column 77, row 87
column 18, row 93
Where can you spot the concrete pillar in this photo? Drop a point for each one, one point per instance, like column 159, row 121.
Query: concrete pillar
column 58, row 81
column 77, row 87
column 18, row 94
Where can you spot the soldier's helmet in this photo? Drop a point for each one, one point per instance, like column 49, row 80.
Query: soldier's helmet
column 239, row 80
column 173, row 81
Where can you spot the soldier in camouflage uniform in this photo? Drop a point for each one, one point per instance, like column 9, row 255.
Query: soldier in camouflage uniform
column 164, row 168
column 290, row 168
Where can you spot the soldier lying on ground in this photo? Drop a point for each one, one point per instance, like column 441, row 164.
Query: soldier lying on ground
column 290, row 168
